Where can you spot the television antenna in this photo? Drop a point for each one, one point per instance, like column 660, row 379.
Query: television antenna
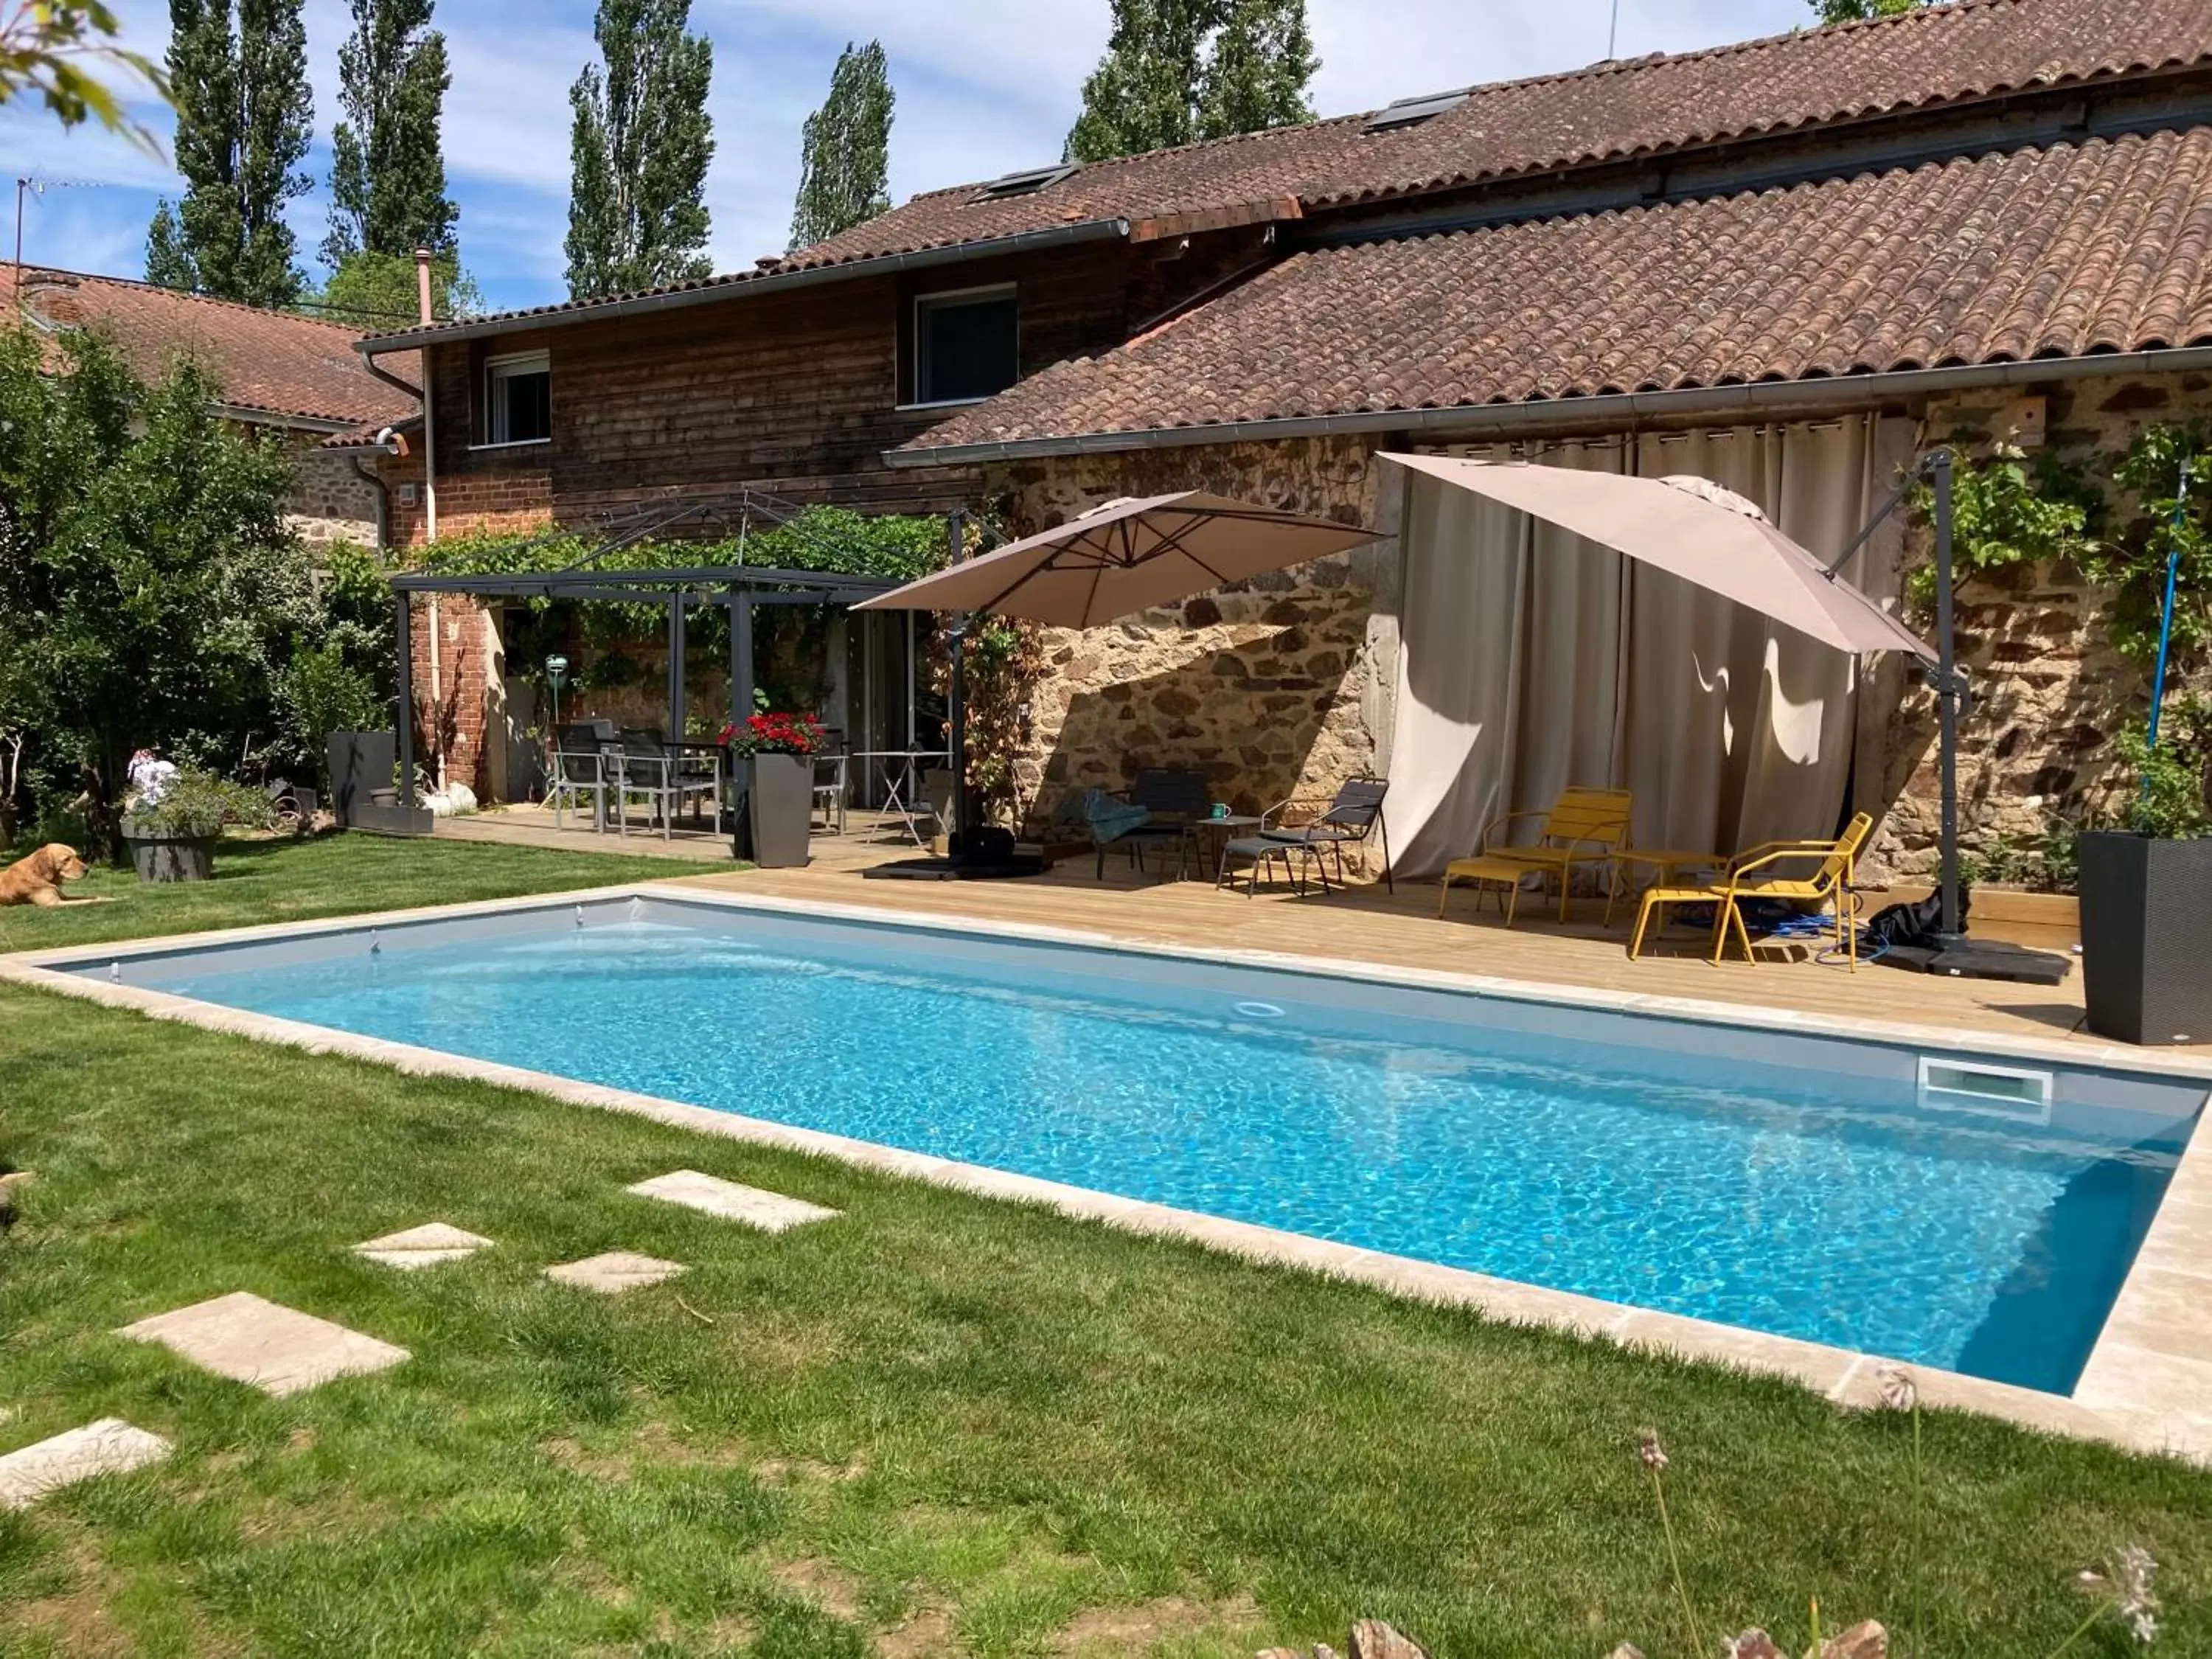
column 32, row 184
column 1613, row 34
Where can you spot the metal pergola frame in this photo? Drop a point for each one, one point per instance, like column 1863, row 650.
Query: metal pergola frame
column 738, row 587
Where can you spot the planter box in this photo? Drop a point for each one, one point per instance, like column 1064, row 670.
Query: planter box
column 779, row 804
column 171, row 858
column 2146, row 912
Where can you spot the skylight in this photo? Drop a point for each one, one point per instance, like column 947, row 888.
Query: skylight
column 1410, row 112
column 1025, row 184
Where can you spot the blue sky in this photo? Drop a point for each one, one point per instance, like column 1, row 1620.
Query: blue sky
column 984, row 87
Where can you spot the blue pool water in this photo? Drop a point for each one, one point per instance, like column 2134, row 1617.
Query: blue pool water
column 1662, row 1166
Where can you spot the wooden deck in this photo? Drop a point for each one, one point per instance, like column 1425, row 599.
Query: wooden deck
column 1365, row 924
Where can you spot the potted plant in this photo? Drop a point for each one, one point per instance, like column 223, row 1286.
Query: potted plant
column 172, row 828
column 2147, row 893
column 777, row 751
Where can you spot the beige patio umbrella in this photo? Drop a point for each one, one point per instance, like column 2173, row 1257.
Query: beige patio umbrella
column 1691, row 528
column 1125, row 556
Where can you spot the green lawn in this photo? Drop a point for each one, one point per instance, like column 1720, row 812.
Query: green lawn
column 264, row 881
column 936, row 1424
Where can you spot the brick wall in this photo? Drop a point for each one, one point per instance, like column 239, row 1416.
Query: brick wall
column 454, row 702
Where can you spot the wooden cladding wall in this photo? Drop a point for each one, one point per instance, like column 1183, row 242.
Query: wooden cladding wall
column 795, row 392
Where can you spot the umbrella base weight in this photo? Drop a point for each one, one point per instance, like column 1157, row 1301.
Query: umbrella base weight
column 1983, row 959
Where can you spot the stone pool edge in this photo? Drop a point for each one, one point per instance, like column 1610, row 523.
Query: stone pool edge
column 2147, row 1385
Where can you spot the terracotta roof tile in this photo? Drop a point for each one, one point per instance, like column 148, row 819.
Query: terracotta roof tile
column 1967, row 49
column 2104, row 246
column 272, row 363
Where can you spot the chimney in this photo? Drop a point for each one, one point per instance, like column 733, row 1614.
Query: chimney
column 422, row 285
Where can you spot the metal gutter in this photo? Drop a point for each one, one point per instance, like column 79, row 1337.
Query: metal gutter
column 1476, row 420
column 1028, row 241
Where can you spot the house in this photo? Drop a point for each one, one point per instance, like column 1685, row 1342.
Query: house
column 1789, row 264
column 280, row 372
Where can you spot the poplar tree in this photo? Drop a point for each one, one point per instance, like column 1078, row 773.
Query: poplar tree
column 845, row 159
column 1852, row 11
column 639, row 148
column 388, row 171
column 1179, row 70
column 239, row 69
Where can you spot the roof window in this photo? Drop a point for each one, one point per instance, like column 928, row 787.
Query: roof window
column 1411, row 112
column 1026, row 183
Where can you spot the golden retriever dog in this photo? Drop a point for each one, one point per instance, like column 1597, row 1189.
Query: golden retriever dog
column 37, row 878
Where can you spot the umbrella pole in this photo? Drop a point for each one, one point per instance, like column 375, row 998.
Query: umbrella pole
column 1948, row 694
column 955, row 699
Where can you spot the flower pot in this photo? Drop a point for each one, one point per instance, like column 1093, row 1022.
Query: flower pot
column 780, row 796
column 2146, row 910
column 170, row 858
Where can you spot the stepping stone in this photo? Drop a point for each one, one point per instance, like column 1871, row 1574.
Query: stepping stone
column 423, row 1247
column 110, row 1446
column 771, row 1212
column 615, row 1271
column 278, row 1350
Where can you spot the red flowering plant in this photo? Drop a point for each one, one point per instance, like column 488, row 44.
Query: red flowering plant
column 773, row 734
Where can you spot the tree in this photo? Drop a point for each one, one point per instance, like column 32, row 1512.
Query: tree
column 244, row 117
column 1853, row 11
column 388, row 171
column 46, row 46
column 1179, row 70
column 376, row 292
column 844, row 168
column 638, row 152
column 150, row 592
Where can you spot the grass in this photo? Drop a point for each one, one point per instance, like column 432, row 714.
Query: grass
column 271, row 881
column 936, row 1424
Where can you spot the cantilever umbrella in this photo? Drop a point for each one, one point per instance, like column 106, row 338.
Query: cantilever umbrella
column 1125, row 556
column 1691, row 528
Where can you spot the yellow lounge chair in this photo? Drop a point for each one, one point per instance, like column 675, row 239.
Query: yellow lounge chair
column 1754, row 873
column 1584, row 826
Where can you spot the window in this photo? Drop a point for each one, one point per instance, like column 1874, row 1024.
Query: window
column 1026, row 183
column 519, row 398
column 1411, row 112
column 964, row 345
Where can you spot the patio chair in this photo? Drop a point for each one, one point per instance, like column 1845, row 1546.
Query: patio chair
column 580, row 769
column 646, row 766
column 1173, row 802
column 936, row 803
column 829, row 790
column 1352, row 815
column 1766, row 872
column 1584, row 826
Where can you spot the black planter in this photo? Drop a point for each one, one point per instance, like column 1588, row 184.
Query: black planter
column 2146, row 913
column 171, row 858
column 780, row 803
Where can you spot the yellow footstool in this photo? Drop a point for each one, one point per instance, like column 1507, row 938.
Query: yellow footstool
column 1488, row 871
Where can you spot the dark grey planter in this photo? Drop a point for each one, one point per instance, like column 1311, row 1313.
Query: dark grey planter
column 780, row 803
column 2146, row 912
column 171, row 858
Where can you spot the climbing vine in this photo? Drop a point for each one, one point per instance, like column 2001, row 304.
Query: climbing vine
column 2010, row 509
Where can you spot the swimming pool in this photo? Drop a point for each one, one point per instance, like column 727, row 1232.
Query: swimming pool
column 1947, row 1210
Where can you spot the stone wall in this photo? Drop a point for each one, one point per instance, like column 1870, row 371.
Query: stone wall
column 1273, row 689
column 328, row 501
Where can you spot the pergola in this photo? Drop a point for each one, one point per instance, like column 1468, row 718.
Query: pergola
column 739, row 588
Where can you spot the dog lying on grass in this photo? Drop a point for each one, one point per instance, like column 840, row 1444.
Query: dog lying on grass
column 37, row 878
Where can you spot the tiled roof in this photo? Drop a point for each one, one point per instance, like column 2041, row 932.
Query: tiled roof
column 1971, row 49
column 271, row 362
column 1967, row 49
column 2106, row 245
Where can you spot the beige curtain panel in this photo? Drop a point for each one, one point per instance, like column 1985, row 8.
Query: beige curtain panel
column 1533, row 659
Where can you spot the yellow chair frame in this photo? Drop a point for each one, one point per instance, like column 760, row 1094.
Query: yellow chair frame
column 1750, row 875
column 1583, row 826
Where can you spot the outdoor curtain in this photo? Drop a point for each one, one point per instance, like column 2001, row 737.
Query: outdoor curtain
column 1533, row 660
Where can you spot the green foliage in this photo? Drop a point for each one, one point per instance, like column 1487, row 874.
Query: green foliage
column 639, row 147
column 319, row 692
column 1179, row 70
column 150, row 591
column 388, row 171
column 2171, row 779
column 2011, row 509
column 45, row 51
column 2132, row 564
column 377, row 291
column 844, row 163
column 245, row 114
column 197, row 803
column 1852, row 11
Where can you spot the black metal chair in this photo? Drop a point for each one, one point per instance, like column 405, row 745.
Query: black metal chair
column 646, row 766
column 1353, row 815
column 581, row 769
column 1176, row 801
